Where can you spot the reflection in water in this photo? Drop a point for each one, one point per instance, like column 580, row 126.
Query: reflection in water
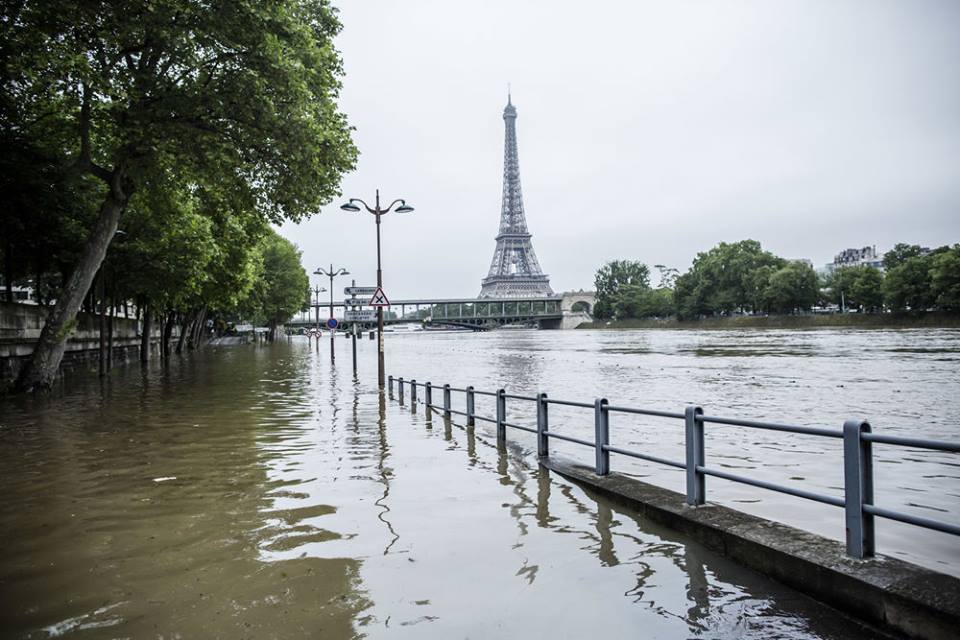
column 258, row 492
column 385, row 471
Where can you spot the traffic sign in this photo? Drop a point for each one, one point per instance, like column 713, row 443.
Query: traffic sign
column 360, row 291
column 361, row 315
column 379, row 299
column 332, row 324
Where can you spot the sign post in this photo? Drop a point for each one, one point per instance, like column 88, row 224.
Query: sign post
column 353, row 325
column 331, row 274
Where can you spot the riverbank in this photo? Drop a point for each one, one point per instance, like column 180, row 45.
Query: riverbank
column 853, row 320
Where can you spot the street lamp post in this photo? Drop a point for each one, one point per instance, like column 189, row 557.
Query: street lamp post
column 330, row 274
column 316, row 296
column 402, row 207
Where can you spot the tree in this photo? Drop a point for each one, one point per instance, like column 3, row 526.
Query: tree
column 278, row 291
column 908, row 285
column 794, row 287
column 122, row 85
column 945, row 279
column 859, row 287
column 727, row 278
column 637, row 301
column 900, row 253
column 609, row 280
column 668, row 276
column 867, row 289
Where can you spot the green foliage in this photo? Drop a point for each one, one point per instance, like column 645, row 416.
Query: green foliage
column 867, row 289
column 908, row 285
column 250, row 85
column 281, row 283
column 945, row 279
column 727, row 278
column 859, row 287
column 613, row 276
column 637, row 301
column 900, row 253
column 192, row 123
column 794, row 287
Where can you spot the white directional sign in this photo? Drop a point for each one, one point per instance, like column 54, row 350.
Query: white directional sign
column 360, row 291
column 379, row 299
column 360, row 315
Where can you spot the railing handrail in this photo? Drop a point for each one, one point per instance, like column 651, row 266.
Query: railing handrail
column 857, row 437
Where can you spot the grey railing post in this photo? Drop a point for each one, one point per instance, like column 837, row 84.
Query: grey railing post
column 413, row 393
column 400, row 389
column 446, row 401
column 390, row 384
column 501, row 417
column 601, row 427
column 428, row 397
column 858, row 488
column 470, row 407
column 696, row 485
column 543, row 444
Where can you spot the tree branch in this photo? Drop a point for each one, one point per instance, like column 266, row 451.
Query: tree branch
column 84, row 161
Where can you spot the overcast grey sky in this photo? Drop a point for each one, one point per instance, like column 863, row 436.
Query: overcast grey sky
column 647, row 130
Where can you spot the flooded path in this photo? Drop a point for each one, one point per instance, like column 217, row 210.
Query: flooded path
column 259, row 492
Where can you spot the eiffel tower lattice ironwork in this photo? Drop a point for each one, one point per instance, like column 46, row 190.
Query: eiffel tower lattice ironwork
column 514, row 271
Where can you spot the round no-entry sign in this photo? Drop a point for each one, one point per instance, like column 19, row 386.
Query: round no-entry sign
column 332, row 324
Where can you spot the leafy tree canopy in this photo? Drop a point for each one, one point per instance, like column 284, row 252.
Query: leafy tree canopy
column 725, row 279
column 234, row 103
column 945, row 279
column 281, row 285
column 613, row 276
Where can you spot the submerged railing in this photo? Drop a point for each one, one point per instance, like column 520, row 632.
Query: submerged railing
column 857, row 437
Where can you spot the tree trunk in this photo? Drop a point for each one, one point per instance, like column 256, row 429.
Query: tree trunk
column 273, row 330
column 167, row 332
column 8, row 270
column 197, row 329
column 102, row 332
column 185, row 322
column 145, row 336
column 42, row 367
column 113, row 312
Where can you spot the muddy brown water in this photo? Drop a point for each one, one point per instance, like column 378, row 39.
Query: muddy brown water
column 261, row 492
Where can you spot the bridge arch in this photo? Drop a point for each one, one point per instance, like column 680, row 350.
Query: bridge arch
column 578, row 301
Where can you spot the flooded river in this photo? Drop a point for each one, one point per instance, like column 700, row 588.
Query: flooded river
column 262, row 492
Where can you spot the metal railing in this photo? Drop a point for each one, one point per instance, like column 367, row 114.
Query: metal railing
column 856, row 435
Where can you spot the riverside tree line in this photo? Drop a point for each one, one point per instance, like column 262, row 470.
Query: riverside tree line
column 741, row 277
column 148, row 146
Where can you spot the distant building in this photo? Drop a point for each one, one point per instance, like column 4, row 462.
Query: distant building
column 865, row 256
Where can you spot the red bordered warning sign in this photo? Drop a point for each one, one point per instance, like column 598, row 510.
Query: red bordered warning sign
column 379, row 299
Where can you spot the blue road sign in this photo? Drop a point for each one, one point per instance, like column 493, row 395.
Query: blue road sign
column 332, row 324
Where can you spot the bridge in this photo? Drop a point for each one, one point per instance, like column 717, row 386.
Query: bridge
column 564, row 311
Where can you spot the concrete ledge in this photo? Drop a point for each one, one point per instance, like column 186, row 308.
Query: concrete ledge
column 883, row 591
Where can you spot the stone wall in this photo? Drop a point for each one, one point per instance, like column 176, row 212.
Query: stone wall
column 20, row 326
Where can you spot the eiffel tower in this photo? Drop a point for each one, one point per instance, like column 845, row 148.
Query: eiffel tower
column 514, row 271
